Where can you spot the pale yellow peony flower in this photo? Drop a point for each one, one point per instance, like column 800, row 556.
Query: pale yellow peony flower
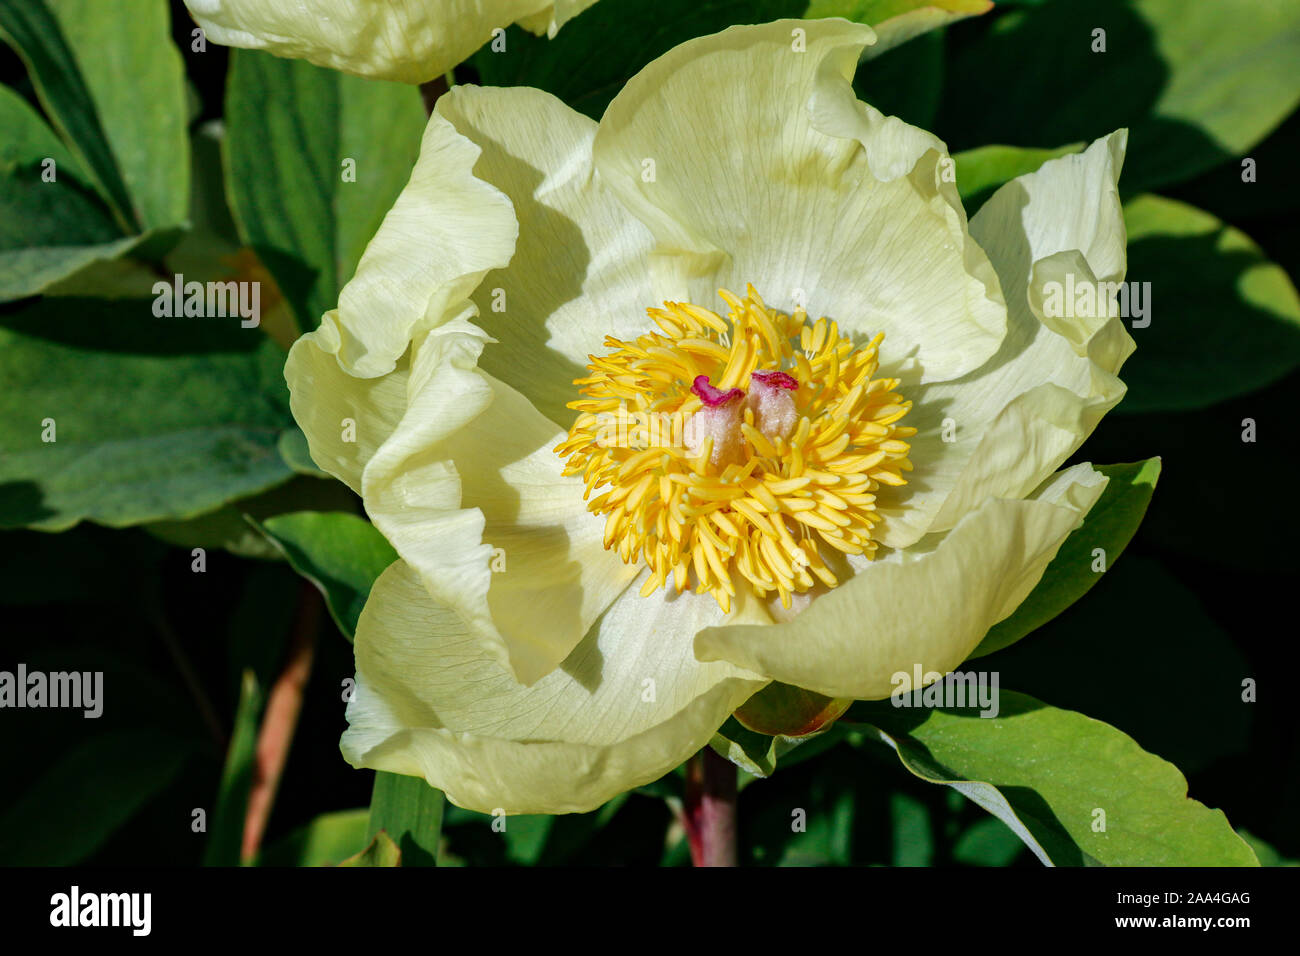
column 574, row 614
column 408, row 40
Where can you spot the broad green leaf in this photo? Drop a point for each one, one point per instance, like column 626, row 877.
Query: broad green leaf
column 897, row 21
column 52, row 223
column 1196, row 83
column 297, row 454
column 327, row 840
column 906, row 82
column 1049, row 774
column 341, row 554
column 29, row 142
column 34, row 32
column 229, row 527
column 27, row 271
column 314, row 158
column 1141, row 628
column 989, row 842
column 226, row 821
column 68, row 812
column 913, row 839
column 530, row 839
column 1268, row 854
column 982, row 170
column 410, row 812
column 526, row 837
column 1268, row 193
column 592, row 58
column 1110, row 525
column 1225, row 321
column 136, row 81
column 212, row 242
column 112, row 415
column 382, row 851
column 812, row 818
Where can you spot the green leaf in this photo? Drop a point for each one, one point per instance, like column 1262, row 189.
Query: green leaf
column 1268, row 854
column 1197, row 84
column 1047, row 772
column 898, row 21
column 1110, row 525
column 758, row 754
column 988, row 842
column 530, row 839
column 982, row 170
column 592, row 58
column 341, row 554
column 152, row 419
column 125, row 54
column 906, row 82
column 68, row 812
column 410, row 812
column 208, row 248
column 34, row 32
column 230, row 529
column 913, row 839
column 297, row 454
column 1190, row 709
column 48, row 229
column 327, row 840
column 1225, row 321
column 314, row 158
column 226, row 822
column 382, row 851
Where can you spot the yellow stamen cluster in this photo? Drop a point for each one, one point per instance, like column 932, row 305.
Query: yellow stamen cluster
column 763, row 513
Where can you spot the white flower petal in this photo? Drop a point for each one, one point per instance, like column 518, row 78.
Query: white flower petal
column 927, row 607
column 629, row 704
column 999, row 431
column 780, row 177
column 579, row 269
column 470, row 469
column 408, row 40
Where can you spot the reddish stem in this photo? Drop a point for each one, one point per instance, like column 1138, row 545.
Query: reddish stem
column 709, row 813
column 280, row 720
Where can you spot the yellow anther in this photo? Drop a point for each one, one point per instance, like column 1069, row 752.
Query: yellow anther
column 762, row 510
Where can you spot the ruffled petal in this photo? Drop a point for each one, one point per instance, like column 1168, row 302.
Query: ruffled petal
column 579, row 269
column 469, row 491
column 1002, row 429
column 927, row 607
column 629, row 704
column 780, row 177
column 348, row 379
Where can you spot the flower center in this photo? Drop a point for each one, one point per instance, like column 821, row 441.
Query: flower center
column 726, row 450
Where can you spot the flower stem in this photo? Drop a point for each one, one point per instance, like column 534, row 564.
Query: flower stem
column 280, row 720
column 710, row 809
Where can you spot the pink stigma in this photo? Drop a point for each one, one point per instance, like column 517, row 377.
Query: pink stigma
column 776, row 380
column 715, row 397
